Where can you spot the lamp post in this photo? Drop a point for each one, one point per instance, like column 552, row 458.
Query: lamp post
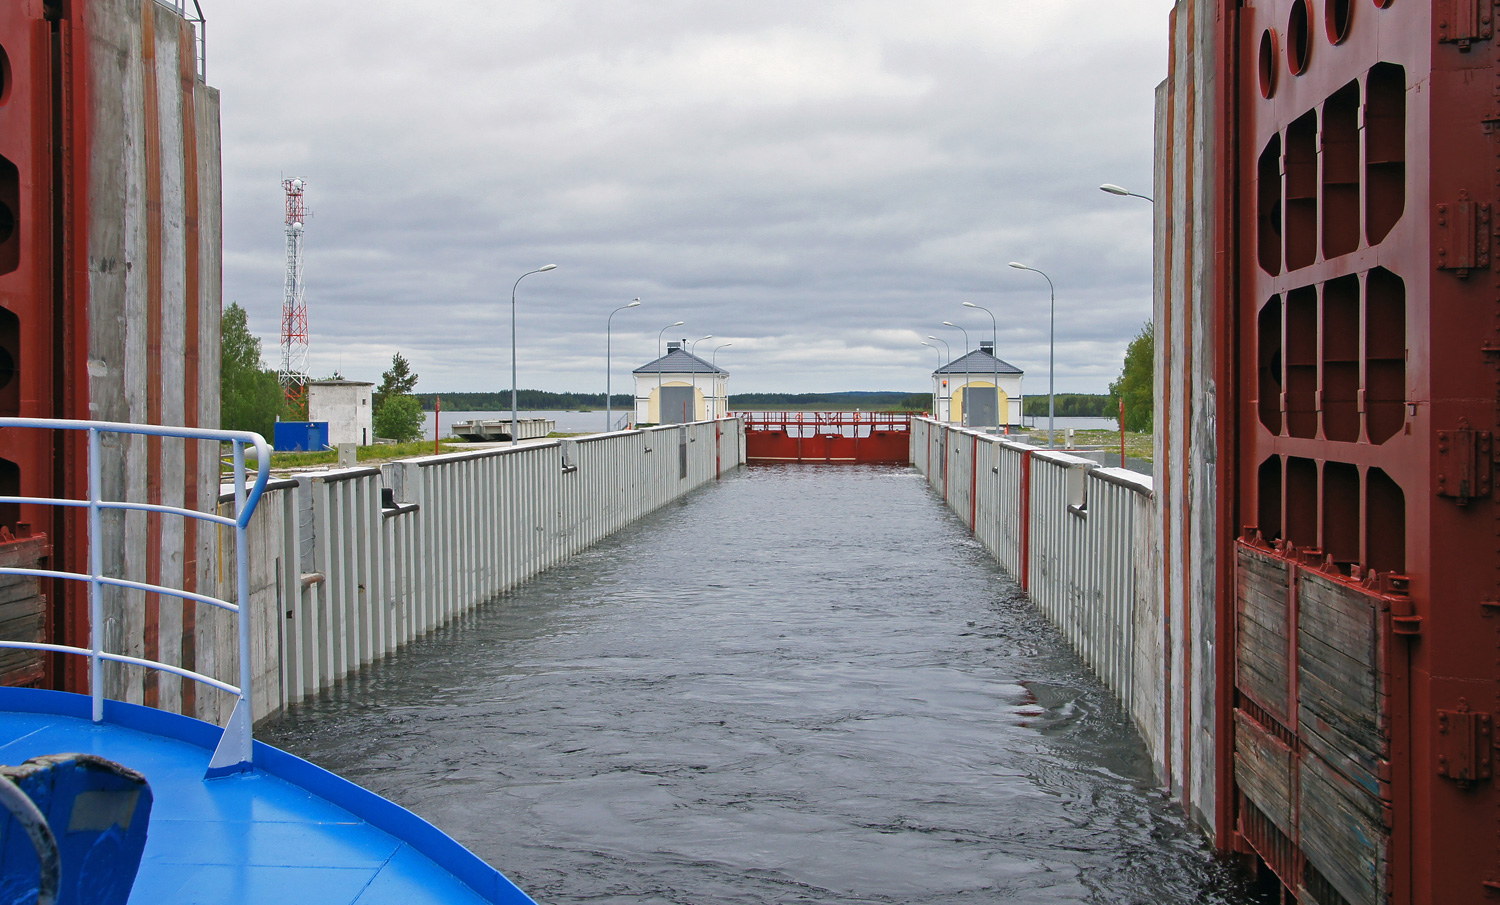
column 947, row 350
column 994, row 362
column 1051, row 353
column 608, row 413
column 939, row 352
column 714, row 360
column 961, row 330
column 658, row 369
column 949, row 353
column 691, row 346
column 523, row 276
column 1116, row 190
column 966, row 368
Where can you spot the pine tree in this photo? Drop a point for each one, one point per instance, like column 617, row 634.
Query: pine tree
column 397, row 414
column 397, row 381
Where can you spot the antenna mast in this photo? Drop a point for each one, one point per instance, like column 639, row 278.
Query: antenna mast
column 293, row 370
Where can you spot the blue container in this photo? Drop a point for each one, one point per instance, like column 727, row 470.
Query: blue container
column 301, row 436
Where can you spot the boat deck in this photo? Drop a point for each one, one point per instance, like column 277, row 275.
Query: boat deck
column 286, row 832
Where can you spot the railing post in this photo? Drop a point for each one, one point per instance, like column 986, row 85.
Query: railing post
column 96, row 572
column 242, row 580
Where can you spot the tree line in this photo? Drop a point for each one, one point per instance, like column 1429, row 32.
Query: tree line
column 1074, row 405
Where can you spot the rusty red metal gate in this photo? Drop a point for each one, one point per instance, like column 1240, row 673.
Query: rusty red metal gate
column 1359, row 570
column 43, row 283
column 830, row 437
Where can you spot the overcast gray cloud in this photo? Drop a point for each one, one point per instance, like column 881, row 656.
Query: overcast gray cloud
column 821, row 184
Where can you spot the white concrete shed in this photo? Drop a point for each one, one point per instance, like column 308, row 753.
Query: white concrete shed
column 346, row 406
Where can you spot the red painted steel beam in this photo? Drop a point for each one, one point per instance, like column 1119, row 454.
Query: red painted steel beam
column 188, row 79
column 153, row 189
column 1226, row 164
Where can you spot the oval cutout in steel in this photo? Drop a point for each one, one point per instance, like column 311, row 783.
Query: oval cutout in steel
column 1298, row 39
column 1269, row 50
column 1337, row 15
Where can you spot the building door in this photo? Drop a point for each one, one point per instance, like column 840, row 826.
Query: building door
column 676, row 405
column 982, row 405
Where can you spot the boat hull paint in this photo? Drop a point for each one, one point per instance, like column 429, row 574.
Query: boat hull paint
column 405, row 859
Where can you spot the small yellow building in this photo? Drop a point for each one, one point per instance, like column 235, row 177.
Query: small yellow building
column 978, row 390
column 680, row 387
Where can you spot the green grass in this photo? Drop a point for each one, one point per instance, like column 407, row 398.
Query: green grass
column 379, row 453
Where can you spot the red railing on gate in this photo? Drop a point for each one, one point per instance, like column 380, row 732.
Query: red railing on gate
column 829, row 437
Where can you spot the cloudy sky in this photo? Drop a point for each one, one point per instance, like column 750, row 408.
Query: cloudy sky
column 821, row 184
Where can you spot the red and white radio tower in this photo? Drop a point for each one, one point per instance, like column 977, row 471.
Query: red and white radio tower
column 293, row 370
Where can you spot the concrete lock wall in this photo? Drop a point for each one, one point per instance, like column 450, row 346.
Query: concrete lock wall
column 1185, row 445
column 147, row 264
column 339, row 580
column 1081, row 540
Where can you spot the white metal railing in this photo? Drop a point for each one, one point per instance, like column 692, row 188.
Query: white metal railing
column 235, row 747
column 1077, row 536
column 363, row 575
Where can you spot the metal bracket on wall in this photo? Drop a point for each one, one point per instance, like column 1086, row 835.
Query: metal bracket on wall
column 1465, row 744
column 1465, row 463
column 1463, row 235
column 1463, row 21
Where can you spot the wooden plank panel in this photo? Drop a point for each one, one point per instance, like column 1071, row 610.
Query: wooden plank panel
column 1341, row 704
column 1263, row 619
column 1263, row 767
column 22, row 610
column 25, row 553
column 1340, row 615
column 1343, row 832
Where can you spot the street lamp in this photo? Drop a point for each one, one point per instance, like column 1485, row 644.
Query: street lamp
column 938, row 351
column 714, row 360
column 966, row 369
column 523, row 276
column 1051, row 350
column 961, row 329
column 658, row 369
column 659, row 335
column 1116, row 190
column 691, row 346
column 935, row 412
column 943, row 341
column 994, row 362
column 608, row 414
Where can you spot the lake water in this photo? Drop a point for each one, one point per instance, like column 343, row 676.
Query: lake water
column 801, row 684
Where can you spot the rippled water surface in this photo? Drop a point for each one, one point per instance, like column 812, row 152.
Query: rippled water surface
column 802, row 684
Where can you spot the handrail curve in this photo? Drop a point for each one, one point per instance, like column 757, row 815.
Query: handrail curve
column 236, row 745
